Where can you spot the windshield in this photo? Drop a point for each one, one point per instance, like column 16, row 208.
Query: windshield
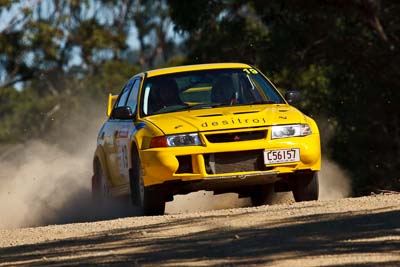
column 206, row 89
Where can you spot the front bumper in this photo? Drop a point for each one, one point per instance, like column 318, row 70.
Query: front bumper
column 192, row 163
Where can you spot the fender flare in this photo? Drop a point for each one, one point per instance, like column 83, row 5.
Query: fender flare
column 133, row 145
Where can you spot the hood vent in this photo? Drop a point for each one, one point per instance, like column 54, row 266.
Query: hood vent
column 246, row 112
column 209, row 115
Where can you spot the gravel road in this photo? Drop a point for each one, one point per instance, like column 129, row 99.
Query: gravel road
column 354, row 231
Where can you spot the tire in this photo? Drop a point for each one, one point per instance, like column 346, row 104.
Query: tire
column 306, row 187
column 100, row 190
column 263, row 195
column 148, row 202
column 108, row 206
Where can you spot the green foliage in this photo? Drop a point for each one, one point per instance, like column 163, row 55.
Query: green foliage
column 57, row 36
column 5, row 4
column 110, row 78
column 65, row 56
column 27, row 114
column 195, row 15
column 313, row 81
column 24, row 115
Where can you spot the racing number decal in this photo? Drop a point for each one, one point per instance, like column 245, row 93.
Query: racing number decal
column 122, row 146
column 122, row 155
column 122, row 143
column 250, row 71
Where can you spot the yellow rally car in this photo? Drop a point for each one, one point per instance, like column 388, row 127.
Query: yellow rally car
column 218, row 127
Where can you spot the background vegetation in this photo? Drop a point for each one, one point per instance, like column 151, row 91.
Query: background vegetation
column 61, row 56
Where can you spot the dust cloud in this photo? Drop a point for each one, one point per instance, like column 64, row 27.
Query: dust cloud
column 44, row 183
column 37, row 183
column 334, row 183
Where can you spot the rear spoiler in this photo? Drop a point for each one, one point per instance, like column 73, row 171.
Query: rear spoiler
column 111, row 101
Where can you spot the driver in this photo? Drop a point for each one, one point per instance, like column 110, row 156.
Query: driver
column 223, row 91
column 164, row 93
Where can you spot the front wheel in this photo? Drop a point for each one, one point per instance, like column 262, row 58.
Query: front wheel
column 149, row 202
column 306, row 187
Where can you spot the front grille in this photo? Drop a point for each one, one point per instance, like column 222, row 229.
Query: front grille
column 240, row 161
column 235, row 137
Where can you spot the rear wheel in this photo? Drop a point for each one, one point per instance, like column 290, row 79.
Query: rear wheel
column 100, row 190
column 149, row 202
column 306, row 187
column 263, row 195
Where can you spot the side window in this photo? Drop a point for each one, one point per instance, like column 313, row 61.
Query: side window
column 124, row 95
column 133, row 96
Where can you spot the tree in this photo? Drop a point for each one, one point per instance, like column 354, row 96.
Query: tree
column 342, row 55
column 58, row 55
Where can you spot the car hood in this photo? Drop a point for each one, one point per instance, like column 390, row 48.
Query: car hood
column 225, row 118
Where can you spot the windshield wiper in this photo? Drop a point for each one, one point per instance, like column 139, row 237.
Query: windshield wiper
column 204, row 105
column 261, row 102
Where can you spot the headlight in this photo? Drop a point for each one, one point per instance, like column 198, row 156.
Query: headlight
column 183, row 140
column 191, row 139
column 284, row 131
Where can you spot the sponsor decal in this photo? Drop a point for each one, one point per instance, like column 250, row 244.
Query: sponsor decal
column 123, row 133
column 232, row 122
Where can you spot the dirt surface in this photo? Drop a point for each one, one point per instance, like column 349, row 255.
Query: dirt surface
column 354, row 231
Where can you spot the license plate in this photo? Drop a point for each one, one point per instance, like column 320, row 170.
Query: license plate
column 281, row 156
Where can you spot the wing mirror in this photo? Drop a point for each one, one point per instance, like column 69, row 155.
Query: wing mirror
column 293, row 97
column 122, row 113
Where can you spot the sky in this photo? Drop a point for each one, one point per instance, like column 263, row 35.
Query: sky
column 7, row 15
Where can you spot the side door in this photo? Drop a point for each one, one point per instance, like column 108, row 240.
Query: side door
column 112, row 132
column 126, row 131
